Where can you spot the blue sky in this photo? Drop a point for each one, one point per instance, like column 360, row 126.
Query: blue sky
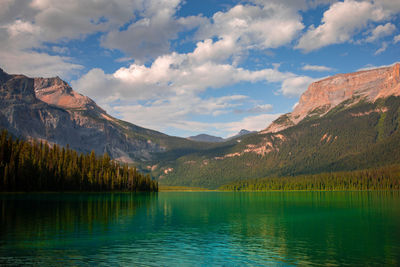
column 190, row 67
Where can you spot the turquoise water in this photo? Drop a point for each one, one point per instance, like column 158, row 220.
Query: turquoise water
column 201, row 228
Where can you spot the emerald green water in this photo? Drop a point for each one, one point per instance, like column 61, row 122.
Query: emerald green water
column 202, row 228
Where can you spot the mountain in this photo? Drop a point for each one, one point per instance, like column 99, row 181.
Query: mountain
column 206, row 138
column 216, row 139
column 324, row 95
column 342, row 123
column 49, row 109
column 239, row 134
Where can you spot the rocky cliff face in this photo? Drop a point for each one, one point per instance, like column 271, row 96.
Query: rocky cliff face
column 55, row 91
column 324, row 95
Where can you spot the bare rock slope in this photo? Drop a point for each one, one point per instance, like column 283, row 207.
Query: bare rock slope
column 324, row 95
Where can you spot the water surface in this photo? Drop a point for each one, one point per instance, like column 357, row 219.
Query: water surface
column 201, row 228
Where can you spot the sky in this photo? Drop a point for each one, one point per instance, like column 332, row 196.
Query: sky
column 185, row 67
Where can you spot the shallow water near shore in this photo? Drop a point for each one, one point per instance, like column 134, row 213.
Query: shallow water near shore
column 200, row 228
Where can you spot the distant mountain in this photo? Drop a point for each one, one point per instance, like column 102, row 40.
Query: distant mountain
column 216, row 139
column 240, row 133
column 342, row 123
column 49, row 109
column 206, row 138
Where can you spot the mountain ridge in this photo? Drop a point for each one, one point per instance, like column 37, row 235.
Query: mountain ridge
column 322, row 96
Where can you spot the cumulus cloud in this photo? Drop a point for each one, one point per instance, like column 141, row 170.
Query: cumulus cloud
column 172, row 74
column 170, row 112
column 339, row 24
column 295, row 86
column 396, row 39
column 381, row 49
column 26, row 27
column 150, row 117
column 17, row 39
column 381, row 31
column 263, row 26
column 149, row 36
column 316, row 68
column 36, row 64
column 74, row 18
column 167, row 93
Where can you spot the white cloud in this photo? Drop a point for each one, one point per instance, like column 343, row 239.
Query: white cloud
column 392, row 6
column 264, row 26
column 149, row 36
column 243, row 27
column 151, row 117
column 36, row 64
column 16, row 56
column 73, row 19
column 382, row 49
column 295, row 86
column 316, row 68
column 176, row 111
column 12, row 10
column 340, row 24
column 168, row 75
column 166, row 94
column 381, row 31
column 60, row 49
column 28, row 26
column 251, row 123
column 396, row 39
column 256, row 109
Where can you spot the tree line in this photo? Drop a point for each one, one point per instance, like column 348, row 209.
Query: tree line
column 386, row 178
column 37, row 166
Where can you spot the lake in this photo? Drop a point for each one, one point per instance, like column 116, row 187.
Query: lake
column 200, row 228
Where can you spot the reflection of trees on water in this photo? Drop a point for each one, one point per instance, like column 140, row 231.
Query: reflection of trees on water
column 318, row 227
column 304, row 228
column 294, row 227
column 35, row 216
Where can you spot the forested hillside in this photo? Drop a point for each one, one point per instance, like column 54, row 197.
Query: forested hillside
column 352, row 136
column 386, row 178
column 34, row 166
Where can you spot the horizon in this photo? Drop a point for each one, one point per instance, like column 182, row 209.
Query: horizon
column 184, row 68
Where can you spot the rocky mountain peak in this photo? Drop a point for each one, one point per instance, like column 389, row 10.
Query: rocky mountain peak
column 17, row 88
column 324, row 95
column 57, row 92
